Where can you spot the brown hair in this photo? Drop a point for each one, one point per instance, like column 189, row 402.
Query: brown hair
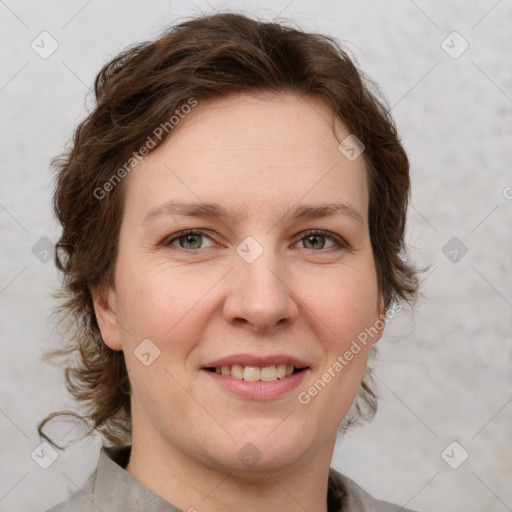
column 207, row 57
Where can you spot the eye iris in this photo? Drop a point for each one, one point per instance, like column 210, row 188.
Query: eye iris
column 315, row 238
column 188, row 239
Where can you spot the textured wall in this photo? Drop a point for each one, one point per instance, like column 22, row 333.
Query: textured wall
column 444, row 371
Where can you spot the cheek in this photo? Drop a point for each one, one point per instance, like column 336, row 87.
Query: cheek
column 155, row 301
column 344, row 309
column 345, row 303
column 159, row 323
column 172, row 308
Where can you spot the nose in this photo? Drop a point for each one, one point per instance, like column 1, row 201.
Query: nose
column 261, row 294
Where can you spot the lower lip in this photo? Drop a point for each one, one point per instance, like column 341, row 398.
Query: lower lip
column 259, row 390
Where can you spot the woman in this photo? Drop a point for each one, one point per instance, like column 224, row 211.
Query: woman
column 233, row 215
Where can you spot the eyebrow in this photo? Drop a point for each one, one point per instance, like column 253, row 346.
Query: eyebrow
column 209, row 210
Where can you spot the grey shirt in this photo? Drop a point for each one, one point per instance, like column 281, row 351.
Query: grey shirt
column 111, row 489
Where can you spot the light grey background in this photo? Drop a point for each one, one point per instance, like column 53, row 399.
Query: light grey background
column 444, row 372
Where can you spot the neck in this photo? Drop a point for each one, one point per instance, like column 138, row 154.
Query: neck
column 191, row 485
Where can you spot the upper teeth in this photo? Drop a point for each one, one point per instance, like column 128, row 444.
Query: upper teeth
column 254, row 373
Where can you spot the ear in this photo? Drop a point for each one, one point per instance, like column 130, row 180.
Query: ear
column 379, row 322
column 104, row 301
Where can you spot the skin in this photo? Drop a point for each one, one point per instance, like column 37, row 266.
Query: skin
column 259, row 155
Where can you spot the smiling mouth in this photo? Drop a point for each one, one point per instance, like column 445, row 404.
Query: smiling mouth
column 256, row 373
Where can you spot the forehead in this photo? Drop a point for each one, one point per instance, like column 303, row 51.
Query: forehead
column 258, row 121
column 251, row 152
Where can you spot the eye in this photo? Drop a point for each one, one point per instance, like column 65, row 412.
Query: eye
column 316, row 239
column 189, row 239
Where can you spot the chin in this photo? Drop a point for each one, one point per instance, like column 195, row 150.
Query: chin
column 264, row 446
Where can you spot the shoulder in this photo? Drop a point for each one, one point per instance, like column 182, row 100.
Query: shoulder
column 61, row 507
column 111, row 489
column 355, row 499
column 76, row 503
column 82, row 500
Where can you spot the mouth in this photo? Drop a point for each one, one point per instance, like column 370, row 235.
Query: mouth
column 255, row 377
column 250, row 373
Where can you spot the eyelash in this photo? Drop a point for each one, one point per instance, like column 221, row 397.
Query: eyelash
column 340, row 243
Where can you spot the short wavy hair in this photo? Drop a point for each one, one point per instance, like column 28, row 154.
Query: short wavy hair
column 206, row 57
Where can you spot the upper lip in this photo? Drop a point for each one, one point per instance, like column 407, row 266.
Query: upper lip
column 256, row 360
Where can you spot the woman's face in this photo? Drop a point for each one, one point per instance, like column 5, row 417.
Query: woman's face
column 251, row 288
